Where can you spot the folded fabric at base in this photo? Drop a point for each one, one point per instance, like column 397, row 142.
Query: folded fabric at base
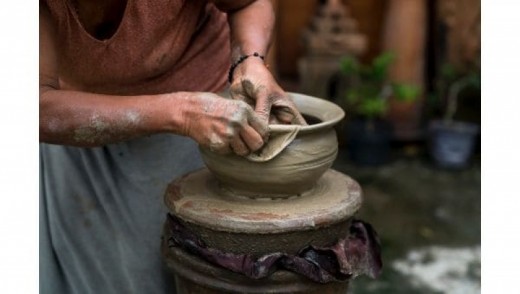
column 359, row 252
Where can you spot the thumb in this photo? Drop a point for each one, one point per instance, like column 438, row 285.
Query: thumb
column 286, row 112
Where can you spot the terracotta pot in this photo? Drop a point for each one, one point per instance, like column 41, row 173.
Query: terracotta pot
column 295, row 169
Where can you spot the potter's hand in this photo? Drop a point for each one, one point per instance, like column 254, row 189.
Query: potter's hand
column 253, row 83
column 223, row 125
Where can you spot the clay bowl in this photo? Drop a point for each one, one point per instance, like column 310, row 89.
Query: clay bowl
column 295, row 169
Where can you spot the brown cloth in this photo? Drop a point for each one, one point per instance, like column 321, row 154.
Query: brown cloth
column 159, row 47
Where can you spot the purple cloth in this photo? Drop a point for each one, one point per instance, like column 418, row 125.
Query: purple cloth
column 357, row 253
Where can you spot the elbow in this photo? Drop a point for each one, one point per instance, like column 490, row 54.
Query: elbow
column 47, row 128
column 45, row 125
column 51, row 129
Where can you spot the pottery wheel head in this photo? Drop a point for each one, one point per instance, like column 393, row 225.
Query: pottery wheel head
column 197, row 198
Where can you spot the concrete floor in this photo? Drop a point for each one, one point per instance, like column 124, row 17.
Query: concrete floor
column 428, row 221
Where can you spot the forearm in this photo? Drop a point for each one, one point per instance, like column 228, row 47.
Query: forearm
column 251, row 28
column 251, row 25
column 87, row 120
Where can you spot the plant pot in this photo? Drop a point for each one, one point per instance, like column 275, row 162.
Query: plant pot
column 452, row 143
column 368, row 142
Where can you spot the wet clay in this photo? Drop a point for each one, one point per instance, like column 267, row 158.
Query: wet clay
column 288, row 166
column 197, row 198
column 280, row 136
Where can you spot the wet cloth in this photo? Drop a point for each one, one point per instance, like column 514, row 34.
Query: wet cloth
column 101, row 209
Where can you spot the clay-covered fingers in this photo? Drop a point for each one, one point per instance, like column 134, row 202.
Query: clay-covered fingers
column 259, row 125
column 283, row 115
column 223, row 125
column 239, row 147
column 248, row 141
column 252, row 139
column 252, row 132
column 255, row 94
column 285, row 111
column 263, row 104
column 219, row 146
column 237, row 93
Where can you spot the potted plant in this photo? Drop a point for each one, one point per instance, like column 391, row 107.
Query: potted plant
column 366, row 98
column 451, row 140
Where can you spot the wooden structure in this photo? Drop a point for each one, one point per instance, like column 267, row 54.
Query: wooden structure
column 405, row 34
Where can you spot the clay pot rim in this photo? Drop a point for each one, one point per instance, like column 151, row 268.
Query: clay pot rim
column 326, row 111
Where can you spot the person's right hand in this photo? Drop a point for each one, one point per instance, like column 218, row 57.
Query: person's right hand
column 224, row 125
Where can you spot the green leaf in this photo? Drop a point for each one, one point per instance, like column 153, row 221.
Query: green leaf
column 372, row 107
column 349, row 65
column 381, row 64
column 405, row 92
column 352, row 96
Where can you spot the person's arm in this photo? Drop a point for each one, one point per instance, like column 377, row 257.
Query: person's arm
column 251, row 23
column 85, row 119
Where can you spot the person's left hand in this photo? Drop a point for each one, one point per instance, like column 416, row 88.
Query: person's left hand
column 253, row 83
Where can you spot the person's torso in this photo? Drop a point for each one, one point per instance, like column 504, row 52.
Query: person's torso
column 158, row 47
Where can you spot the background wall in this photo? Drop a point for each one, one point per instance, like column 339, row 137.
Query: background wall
column 294, row 15
column 425, row 34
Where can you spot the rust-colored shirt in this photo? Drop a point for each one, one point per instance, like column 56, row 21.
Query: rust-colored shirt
column 159, row 47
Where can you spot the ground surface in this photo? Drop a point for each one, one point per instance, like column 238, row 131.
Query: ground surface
column 428, row 220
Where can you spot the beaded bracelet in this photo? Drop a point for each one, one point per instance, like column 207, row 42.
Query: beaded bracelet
column 239, row 61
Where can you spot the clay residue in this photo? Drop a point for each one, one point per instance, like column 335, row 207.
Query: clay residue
column 261, row 216
column 103, row 129
column 55, row 125
column 329, row 202
column 96, row 130
column 174, row 190
column 215, row 142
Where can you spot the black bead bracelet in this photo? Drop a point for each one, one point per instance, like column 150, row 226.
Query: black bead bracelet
column 239, row 61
